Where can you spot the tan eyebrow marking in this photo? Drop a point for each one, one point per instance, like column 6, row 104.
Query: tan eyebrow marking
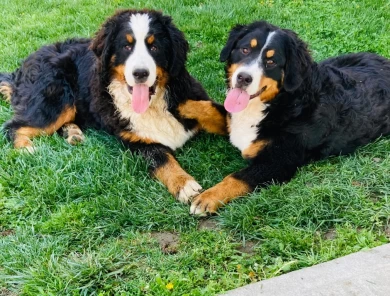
column 150, row 39
column 253, row 42
column 270, row 53
column 129, row 38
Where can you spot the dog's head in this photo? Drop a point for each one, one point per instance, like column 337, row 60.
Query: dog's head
column 262, row 59
column 140, row 50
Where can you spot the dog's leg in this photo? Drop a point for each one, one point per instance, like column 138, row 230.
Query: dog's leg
column 230, row 188
column 164, row 166
column 276, row 162
column 179, row 183
column 6, row 90
column 211, row 117
column 21, row 133
column 72, row 133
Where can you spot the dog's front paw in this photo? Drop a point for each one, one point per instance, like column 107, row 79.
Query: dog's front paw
column 190, row 189
column 205, row 203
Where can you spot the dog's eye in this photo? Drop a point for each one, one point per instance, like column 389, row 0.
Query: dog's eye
column 153, row 48
column 128, row 47
column 245, row 50
column 270, row 63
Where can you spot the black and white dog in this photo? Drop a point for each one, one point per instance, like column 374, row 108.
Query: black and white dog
column 130, row 80
column 287, row 110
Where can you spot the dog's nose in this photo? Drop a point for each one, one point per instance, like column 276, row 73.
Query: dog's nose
column 243, row 79
column 140, row 75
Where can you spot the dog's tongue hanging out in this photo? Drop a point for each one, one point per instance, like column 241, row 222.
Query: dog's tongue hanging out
column 140, row 100
column 236, row 100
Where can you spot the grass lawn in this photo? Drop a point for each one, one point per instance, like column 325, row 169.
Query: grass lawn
column 88, row 220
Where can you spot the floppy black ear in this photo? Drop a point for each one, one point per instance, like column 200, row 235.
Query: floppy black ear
column 298, row 61
column 233, row 38
column 179, row 47
column 104, row 38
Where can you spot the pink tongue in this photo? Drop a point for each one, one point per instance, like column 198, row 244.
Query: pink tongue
column 140, row 100
column 236, row 100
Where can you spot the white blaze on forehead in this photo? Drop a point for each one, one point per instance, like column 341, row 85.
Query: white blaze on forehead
column 139, row 23
column 254, row 69
column 140, row 57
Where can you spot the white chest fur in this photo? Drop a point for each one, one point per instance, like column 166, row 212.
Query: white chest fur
column 156, row 123
column 243, row 125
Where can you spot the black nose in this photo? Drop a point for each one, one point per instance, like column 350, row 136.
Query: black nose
column 140, row 75
column 243, row 79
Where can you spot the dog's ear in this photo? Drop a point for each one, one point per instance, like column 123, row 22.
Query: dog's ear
column 179, row 48
column 298, row 61
column 101, row 44
column 233, row 38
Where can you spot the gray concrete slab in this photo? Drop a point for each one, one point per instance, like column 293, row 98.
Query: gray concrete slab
column 364, row 273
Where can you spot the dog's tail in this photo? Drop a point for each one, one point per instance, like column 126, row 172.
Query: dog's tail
column 7, row 85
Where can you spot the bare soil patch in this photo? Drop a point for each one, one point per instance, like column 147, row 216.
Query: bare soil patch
column 169, row 242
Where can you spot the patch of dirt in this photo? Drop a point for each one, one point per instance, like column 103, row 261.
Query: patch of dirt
column 169, row 242
column 374, row 198
column 377, row 159
column 356, row 183
column 208, row 224
column 7, row 232
column 6, row 292
column 248, row 248
column 330, row 234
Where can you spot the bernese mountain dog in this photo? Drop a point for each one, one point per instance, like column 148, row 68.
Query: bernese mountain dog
column 129, row 80
column 287, row 110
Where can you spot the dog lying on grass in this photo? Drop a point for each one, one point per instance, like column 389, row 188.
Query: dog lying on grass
column 129, row 80
column 287, row 110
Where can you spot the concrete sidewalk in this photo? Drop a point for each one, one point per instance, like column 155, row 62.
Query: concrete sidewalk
column 364, row 273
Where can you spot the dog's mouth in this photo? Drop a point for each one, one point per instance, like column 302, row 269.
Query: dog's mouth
column 237, row 99
column 152, row 89
column 258, row 93
column 141, row 95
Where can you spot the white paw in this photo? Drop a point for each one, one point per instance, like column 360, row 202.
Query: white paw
column 75, row 139
column 197, row 210
column 28, row 149
column 189, row 191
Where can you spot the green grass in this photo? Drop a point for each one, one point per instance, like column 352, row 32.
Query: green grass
column 81, row 220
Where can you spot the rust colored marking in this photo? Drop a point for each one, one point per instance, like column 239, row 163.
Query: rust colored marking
column 113, row 58
column 270, row 53
column 129, row 38
column 24, row 134
column 21, row 141
column 172, row 175
column 207, row 116
column 118, row 73
column 232, row 68
column 6, row 91
column 254, row 149
column 150, row 39
column 132, row 137
column 271, row 89
column 162, row 77
column 253, row 42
